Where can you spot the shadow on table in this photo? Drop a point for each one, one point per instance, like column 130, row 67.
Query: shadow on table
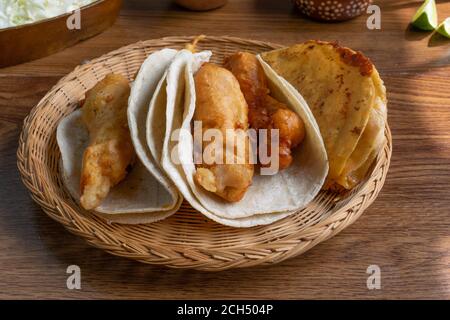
column 437, row 40
column 414, row 34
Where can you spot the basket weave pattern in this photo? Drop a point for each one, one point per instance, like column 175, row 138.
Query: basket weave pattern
column 186, row 239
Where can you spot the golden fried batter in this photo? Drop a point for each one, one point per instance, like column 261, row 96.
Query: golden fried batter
column 291, row 129
column 110, row 151
column 220, row 105
column 266, row 112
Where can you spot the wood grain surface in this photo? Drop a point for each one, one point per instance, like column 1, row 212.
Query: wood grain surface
column 406, row 232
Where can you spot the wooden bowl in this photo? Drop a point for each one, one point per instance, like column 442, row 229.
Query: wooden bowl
column 332, row 10
column 45, row 37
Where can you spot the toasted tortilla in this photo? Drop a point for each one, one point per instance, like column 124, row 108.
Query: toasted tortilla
column 342, row 87
column 369, row 145
column 295, row 187
column 139, row 198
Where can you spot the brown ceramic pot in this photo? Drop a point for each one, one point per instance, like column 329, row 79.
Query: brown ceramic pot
column 201, row 5
column 332, row 10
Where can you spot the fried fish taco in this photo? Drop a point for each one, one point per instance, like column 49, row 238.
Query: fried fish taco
column 138, row 198
column 107, row 168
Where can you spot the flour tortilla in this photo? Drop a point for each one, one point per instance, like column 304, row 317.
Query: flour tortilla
column 270, row 198
column 156, row 120
column 139, row 106
column 139, row 198
column 342, row 87
column 179, row 86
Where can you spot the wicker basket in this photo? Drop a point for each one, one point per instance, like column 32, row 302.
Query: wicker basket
column 187, row 239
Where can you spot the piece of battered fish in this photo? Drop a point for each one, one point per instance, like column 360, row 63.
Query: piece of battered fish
column 220, row 105
column 265, row 112
column 110, row 152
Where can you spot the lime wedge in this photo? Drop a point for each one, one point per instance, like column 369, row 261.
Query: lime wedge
column 444, row 28
column 426, row 17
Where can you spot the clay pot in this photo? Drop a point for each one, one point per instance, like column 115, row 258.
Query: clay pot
column 201, row 5
column 332, row 10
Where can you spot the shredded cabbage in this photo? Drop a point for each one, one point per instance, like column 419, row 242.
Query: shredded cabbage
column 19, row 12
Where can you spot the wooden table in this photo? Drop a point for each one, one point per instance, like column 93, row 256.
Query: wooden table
column 405, row 232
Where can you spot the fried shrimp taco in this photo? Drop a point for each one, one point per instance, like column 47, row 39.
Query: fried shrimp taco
column 209, row 96
column 348, row 100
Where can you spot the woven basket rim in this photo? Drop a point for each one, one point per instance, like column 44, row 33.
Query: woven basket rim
column 181, row 255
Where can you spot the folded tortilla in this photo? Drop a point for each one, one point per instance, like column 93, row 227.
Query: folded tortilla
column 139, row 198
column 146, row 194
column 269, row 198
column 348, row 100
column 140, row 105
